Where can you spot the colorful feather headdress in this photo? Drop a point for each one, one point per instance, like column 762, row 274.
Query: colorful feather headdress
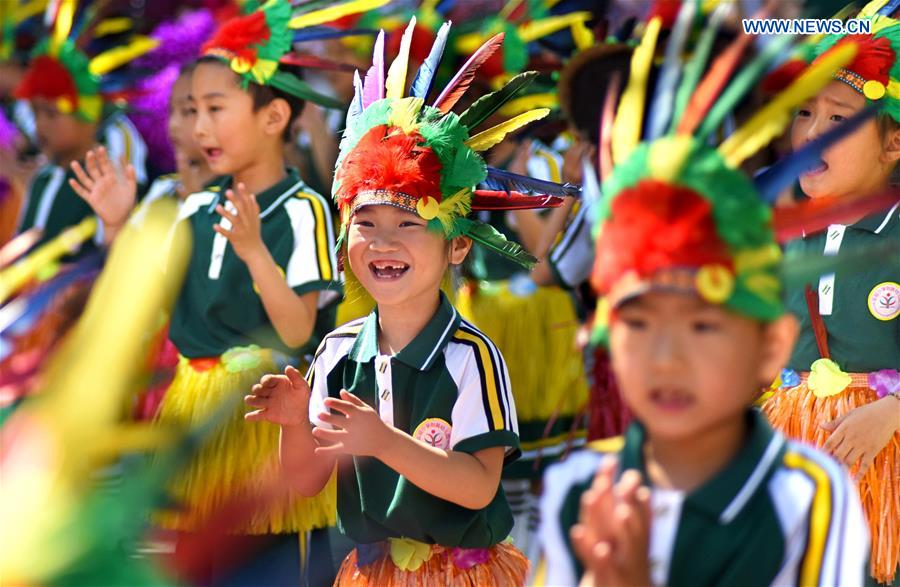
column 679, row 214
column 256, row 44
column 60, row 71
column 397, row 150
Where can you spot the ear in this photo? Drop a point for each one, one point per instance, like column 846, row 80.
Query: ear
column 276, row 117
column 459, row 248
column 891, row 151
column 779, row 337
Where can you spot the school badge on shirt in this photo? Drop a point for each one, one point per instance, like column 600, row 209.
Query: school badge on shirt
column 434, row 431
column 884, row 300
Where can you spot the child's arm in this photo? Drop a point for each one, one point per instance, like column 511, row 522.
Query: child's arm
column 111, row 193
column 293, row 316
column 860, row 434
column 469, row 480
column 284, row 400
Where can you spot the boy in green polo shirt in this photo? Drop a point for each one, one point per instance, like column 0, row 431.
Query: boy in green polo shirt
column 842, row 385
column 412, row 404
column 700, row 490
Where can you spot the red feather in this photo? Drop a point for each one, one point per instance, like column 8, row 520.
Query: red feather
column 666, row 10
column 240, row 37
column 874, row 57
column 500, row 200
column 388, row 159
column 655, row 226
column 463, row 78
column 314, row 62
column 815, row 215
column 783, row 76
column 47, row 78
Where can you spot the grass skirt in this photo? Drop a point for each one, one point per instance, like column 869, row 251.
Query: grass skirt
column 505, row 567
column 536, row 334
column 237, row 459
column 797, row 413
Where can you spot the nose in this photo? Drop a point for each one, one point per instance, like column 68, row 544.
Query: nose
column 383, row 240
column 200, row 130
column 666, row 351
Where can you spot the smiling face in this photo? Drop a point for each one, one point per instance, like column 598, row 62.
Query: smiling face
column 859, row 164
column 686, row 367
column 396, row 258
column 227, row 129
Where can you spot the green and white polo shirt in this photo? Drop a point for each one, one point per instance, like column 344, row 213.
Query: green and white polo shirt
column 219, row 307
column 860, row 309
column 780, row 513
column 449, row 387
column 51, row 204
column 571, row 258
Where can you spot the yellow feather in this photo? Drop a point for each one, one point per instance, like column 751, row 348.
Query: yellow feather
column 871, row 8
column 487, row 139
column 395, row 84
column 453, row 207
column 583, row 36
column 404, row 113
column 26, row 11
column 334, row 12
column 111, row 26
column 547, row 26
column 110, row 60
column 626, row 130
column 63, row 25
column 522, row 104
column 771, row 120
column 508, row 9
column 881, row 23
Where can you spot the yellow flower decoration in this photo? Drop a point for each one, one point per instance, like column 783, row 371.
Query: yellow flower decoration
column 240, row 65
column 714, row 283
column 263, row 70
column 427, row 207
column 827, row 379
column 408, row 554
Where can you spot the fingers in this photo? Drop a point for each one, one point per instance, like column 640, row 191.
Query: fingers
column 223, row 231
column 256, row 416
column 344, row 407
column 243, row 201
column 834, row 441
column 81, row 176
column 832, row 425
column 332, row 437
column 79, row 190
column 353, row 399
column 295, row 378
column 130, row 174
column 256, row 401
column 335, row 420
column 103, row 161
column 230, row 216
column 93, row 167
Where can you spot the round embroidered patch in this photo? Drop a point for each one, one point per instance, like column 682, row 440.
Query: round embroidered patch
column 434, row 431
column 884, row 300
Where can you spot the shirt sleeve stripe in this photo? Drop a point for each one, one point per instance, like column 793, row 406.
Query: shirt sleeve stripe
column 490, row 384
column 323, row 249
column 501, row 370
column 819, row 518
column 552, row 165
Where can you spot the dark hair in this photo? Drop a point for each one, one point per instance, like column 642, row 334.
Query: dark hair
column 264, row 95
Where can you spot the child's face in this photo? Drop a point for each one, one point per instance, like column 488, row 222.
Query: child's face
column 686, row 367
column 861, row 163
column 182, row 116
column 61, row 137
column 227, row 130
column 396, row 258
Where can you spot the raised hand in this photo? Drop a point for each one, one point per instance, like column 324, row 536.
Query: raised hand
column 109, row 191
column 280, row 399
column 243, row 228
column 357, row 428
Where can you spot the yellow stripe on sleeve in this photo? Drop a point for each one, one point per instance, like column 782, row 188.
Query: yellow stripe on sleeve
column 322, row 249
column 490, row 376
column 819, row 518
column 552, row 165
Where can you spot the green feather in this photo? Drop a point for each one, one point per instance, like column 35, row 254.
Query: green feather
column 695, row 66
column 485, row 106
column 291, row 84
column 490, row 238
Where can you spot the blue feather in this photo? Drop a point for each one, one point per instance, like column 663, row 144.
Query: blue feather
column 320, row 33
column 669, row 74
column 889, row 8
column 424, row 80
column 776, row 178
column 356, row 104
column 500, row 180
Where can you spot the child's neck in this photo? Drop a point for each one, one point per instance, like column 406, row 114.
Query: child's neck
column 688, row 463
column 261, row 174
column 399, row 325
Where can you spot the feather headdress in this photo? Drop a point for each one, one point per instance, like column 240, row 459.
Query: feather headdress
column 399, row 150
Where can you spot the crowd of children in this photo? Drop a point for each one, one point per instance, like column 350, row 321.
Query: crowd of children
column 606, row 293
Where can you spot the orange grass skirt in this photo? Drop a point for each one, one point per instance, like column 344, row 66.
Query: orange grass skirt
column 506, row 567
column 797, row 413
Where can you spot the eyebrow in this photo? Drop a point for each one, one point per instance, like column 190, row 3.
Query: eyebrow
column 836, row 102
column 209, row 95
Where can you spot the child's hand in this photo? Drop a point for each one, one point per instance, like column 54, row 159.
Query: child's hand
column 280, row 399
column 358, row 429
column 109, row 192
column 244, row 232
column 861, row 433
column 613, row 534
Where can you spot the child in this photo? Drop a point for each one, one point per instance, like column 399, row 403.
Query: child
column 64, row 88
column 841, row 389
column 707, row 493
column 416, row 396
column 262, row 279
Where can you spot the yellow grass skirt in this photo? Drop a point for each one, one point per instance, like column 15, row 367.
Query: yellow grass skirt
column 505, row 567
column 797, row 412
column 536, row 335
column 238, row 458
